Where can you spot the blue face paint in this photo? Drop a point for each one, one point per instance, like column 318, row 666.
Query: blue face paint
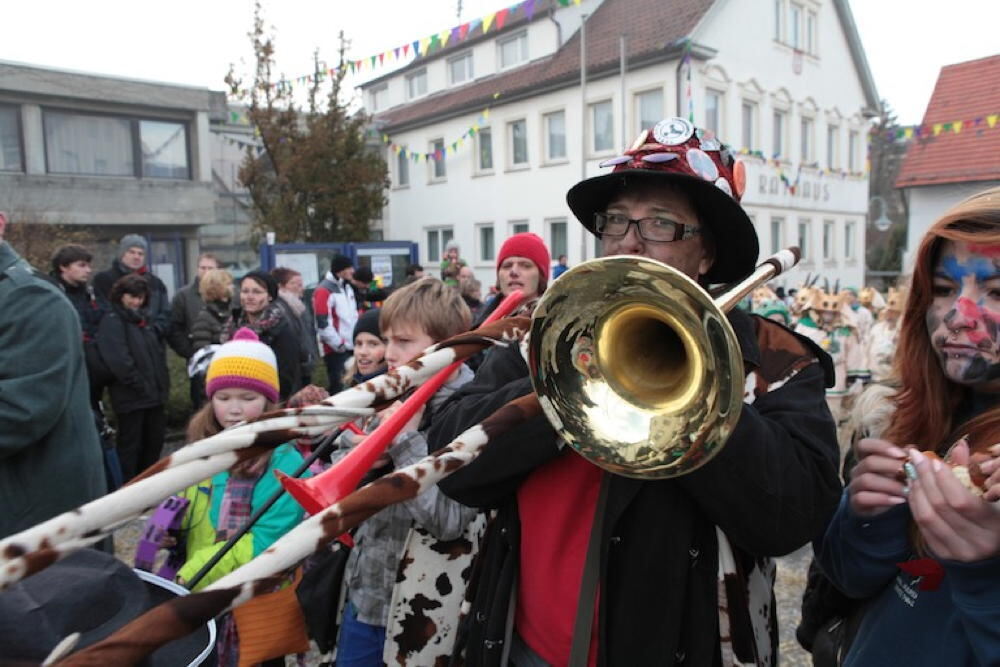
column 979, row 267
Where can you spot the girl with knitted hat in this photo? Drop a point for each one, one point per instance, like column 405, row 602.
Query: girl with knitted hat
column 523, row 263
column 241, row 384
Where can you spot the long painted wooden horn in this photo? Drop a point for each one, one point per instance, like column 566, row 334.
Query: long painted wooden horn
column 317, row 493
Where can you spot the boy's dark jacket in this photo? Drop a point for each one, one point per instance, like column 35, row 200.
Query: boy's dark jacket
column 771, row 490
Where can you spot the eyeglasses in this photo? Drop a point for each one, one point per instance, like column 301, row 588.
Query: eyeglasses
column 659, row 230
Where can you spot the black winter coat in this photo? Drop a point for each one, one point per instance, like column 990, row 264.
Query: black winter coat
column 208, row 325
column 159, row 303
column 88, row 307
column 135, row 355
column 771, row 490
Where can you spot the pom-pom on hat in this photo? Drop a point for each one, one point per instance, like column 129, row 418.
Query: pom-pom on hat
column 244, row 363
column 527, row 245
column 692, row 159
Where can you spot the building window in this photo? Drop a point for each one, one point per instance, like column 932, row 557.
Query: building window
column 518, row 134
column 811, row 33
column 805, row 232
column 416, row 84
column 852, row 150
column 832, row 143
column 849, row 240
column 828, row 232
column 777, row 234
column 806, row 128
column 402, row 169
column 460, row 68
column 99, row 145
column 795, row 27
column 778, row 138
column 519, row 227
column 713, row 111
column 484, row 141
column 779, row 13
column 106, row 146
column 486, row 247
column 602, row 123
column 649, row 109
column 379, row 96
column 164, row 149
column 440, row 169
column 10, row 139
column 748, row 120
column 555, row 136
column 557, row 238
column 433, row 245
column 513, row 50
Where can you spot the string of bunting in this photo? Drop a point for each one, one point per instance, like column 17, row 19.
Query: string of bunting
column 423, row 46
column 442, row 153
column 792, row 185
column 910, row 132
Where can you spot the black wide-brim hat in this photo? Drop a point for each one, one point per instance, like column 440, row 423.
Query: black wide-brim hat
column 94, row 594
column 696, row 163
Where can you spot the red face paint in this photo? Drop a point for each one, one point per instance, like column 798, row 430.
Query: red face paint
column 986, row 250
column 968, row 309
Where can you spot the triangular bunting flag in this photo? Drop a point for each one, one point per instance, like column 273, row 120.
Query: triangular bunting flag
column 443, row 37
column 908, row 133
column 529, row 8
column 501, row 18
column 396, row 52
column 937, row 129
column 957, row 126
column 381, row 58
column 487, row 21
column 991, row 120
column 373, row 59
column 454, row 35
column 416, row 48
column 564, row 3
column 425, row 45
column 463, row 30
column 475, row 23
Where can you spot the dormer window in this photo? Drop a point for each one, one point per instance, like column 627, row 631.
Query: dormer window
column 416, row 84
column 460, row 68
column 513, row 50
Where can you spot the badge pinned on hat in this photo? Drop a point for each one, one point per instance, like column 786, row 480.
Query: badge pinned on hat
column 673, row 131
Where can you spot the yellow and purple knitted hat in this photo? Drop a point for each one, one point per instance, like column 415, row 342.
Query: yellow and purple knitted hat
column 244, row 363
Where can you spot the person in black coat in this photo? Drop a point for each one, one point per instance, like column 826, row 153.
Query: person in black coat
column 260, row 312
column 677, row 571
column 71, row 271
column 132, row 254
column 134, row 353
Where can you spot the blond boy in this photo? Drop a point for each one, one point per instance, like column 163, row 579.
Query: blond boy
column 400, row 553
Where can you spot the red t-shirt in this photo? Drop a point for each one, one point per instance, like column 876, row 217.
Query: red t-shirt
column 556, row 505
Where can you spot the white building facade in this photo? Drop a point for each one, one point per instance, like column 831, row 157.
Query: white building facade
column 785, row 79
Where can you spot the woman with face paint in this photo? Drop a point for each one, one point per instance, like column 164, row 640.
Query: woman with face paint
column 910, row 536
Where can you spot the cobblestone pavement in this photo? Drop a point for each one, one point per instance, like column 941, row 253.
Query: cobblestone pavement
column 791, row 581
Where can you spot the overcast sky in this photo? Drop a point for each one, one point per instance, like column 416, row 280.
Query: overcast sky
column 194, row 41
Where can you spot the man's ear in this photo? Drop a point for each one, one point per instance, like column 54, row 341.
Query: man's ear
column 707, row 258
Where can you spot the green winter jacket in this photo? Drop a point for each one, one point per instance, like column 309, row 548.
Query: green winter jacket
column 202, row 516
column 50, row 455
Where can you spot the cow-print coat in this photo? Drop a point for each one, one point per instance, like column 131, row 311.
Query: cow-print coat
column 686, row 576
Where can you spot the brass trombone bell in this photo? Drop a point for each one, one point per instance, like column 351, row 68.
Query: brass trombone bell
column 637, row 368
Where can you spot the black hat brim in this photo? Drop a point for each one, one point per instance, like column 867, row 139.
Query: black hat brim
column 733, row 233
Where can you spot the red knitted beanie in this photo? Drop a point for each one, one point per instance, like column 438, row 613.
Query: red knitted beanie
column 527, row 245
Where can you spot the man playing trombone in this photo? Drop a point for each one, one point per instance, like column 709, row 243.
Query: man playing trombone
column 583, row 567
